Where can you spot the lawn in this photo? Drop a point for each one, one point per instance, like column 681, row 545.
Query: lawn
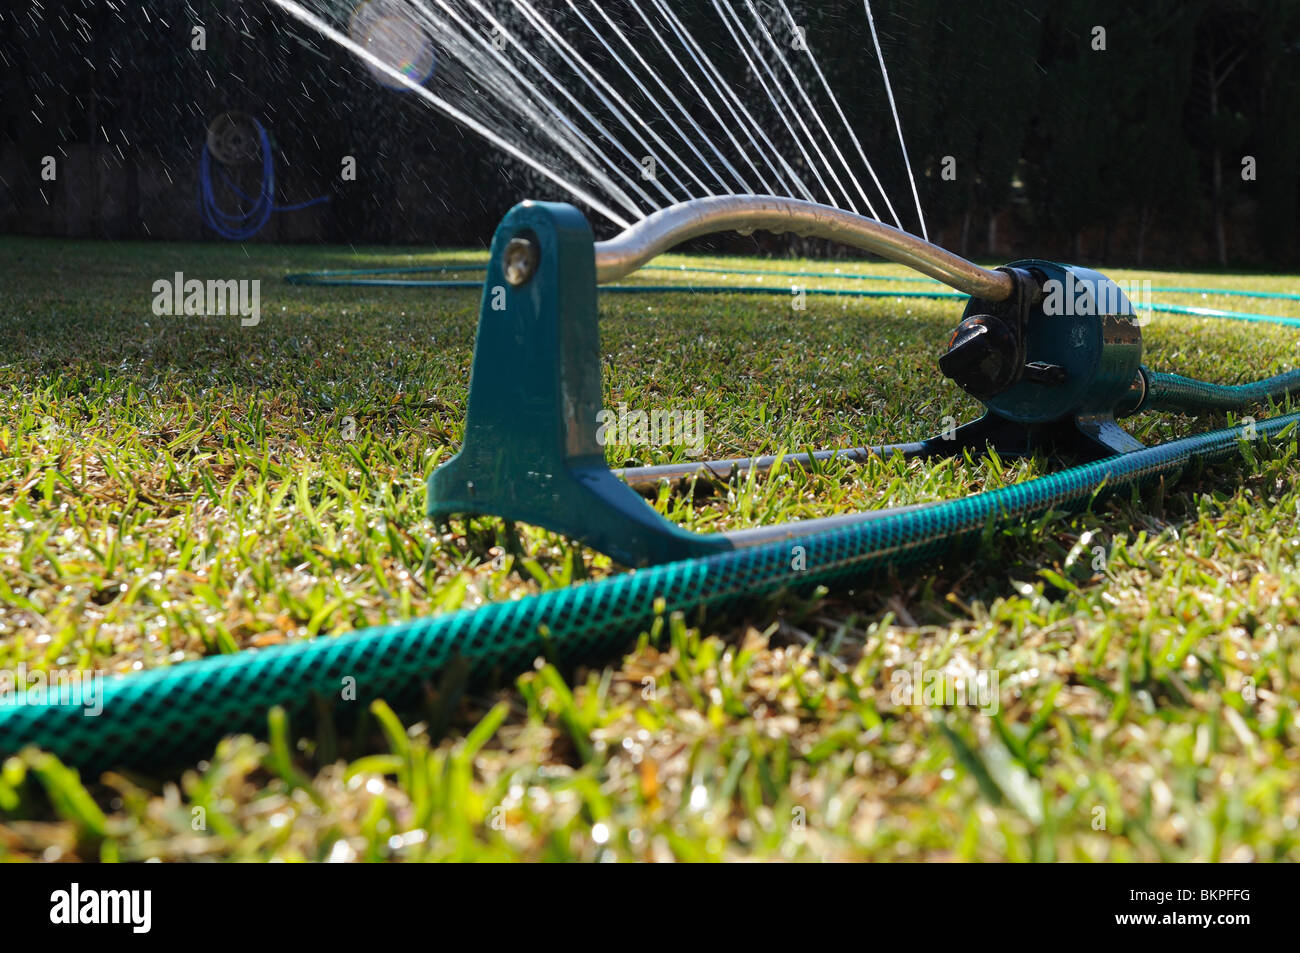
column 173, row 488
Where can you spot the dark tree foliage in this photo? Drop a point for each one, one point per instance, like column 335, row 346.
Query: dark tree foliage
column 1166, row 131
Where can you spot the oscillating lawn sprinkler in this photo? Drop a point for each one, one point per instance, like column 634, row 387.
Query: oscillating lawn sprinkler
column 1049, row 381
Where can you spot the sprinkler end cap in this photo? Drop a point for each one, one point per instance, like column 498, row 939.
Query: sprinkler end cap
column 983, row 356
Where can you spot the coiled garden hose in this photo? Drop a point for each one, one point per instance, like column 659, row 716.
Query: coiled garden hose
column 244, row 224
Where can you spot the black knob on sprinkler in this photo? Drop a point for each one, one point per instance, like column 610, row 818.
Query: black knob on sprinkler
column 984, row 356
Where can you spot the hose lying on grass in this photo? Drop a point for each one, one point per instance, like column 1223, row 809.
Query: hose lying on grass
column 181, row 711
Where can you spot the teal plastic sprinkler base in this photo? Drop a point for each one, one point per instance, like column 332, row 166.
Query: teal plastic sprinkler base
column 532, row 452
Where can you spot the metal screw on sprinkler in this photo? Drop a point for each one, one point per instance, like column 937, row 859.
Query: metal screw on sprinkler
column 520, row 261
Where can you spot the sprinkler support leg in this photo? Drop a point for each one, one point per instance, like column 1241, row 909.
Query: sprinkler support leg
column 1082, row 436
column 530, row 452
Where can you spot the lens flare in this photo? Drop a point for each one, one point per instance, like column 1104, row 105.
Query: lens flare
column 391, row 33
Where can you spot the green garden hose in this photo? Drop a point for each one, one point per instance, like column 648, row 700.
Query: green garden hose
column 1175, row 392
column 178, row 712
column 385, row 278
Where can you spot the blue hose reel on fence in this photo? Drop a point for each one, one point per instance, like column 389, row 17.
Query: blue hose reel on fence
column 237, row 139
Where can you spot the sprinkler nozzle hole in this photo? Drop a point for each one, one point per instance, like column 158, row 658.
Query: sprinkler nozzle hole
column 520, row 260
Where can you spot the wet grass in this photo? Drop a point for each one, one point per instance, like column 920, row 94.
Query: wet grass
column 174, row 488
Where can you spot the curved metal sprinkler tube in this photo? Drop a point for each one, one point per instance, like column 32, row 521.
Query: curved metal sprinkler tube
column 657, row 233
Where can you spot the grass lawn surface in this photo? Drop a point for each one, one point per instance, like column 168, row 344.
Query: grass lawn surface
column 173, row 488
